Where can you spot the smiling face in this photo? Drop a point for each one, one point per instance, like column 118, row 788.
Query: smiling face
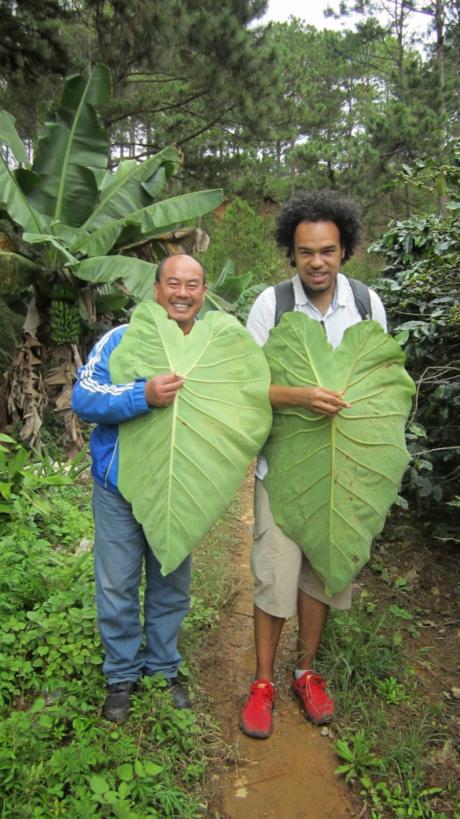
column 318, row 254
column 181, row 290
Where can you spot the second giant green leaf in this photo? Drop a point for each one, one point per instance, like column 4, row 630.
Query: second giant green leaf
column 332, row 480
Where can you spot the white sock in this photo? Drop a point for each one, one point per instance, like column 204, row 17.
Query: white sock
column 299, row 672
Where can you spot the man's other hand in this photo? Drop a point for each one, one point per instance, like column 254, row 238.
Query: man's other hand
column 161, row 390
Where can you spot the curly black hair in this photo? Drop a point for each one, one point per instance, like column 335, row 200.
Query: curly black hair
column 319, row 206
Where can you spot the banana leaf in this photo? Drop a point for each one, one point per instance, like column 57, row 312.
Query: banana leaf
column 234, row 286
column 9, row 136
column 214, row 302
column 181, row 465
column 66, row 234
column 139, row 282
column 16, row 271
column 331, row 481
column 149, row 222
column 132, row 186
column 107, row 303
column 138, row 276
column 228, row 269
column 14, row 201
column 61, row 252
column 70, row 143
column 93, row 90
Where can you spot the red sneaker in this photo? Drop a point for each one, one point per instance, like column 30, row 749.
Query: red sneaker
column 256, row 716
column 310, row 690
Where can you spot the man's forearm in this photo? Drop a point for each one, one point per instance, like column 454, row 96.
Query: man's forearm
column 282, row 396
column 315, row 399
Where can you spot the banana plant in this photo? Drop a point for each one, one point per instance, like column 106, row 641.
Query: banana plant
column 74, row 227
column 231, row 293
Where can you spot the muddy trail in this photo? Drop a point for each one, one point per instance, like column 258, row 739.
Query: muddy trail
column 291, row 774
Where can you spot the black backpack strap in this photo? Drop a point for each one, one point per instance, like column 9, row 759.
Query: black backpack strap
column 362, row 298
column 285, row 299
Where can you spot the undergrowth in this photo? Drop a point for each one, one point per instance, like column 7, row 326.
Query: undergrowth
column 58, row 757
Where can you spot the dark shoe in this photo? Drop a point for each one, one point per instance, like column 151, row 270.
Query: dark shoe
column 178, row 693
column 311, row 692
column 256, row 717
column 117, row 704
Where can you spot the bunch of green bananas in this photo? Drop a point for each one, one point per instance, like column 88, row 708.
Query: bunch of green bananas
column 64, row 322
column 63, row 291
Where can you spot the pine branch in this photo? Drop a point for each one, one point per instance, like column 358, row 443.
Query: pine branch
column 205, row 127
column 136, row 112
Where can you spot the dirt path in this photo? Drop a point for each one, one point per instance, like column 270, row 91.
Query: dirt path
column 291, row 775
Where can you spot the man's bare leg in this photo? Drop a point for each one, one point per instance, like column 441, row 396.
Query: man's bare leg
column 309, row 688
column 312, row 620
column 267, row 632
column 256, row 715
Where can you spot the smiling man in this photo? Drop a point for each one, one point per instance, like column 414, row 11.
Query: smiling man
column 180, row 288
column 120, row 546
column 319, row 230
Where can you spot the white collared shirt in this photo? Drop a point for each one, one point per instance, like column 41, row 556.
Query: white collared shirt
column 341, row 314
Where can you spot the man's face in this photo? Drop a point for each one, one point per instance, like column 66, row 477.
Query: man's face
column 317, row 254
column 181, row 290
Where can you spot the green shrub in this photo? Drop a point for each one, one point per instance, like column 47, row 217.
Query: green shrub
column 421, row 292
column 245, row 238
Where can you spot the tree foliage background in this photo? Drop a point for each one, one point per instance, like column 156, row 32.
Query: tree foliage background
column 260, row 110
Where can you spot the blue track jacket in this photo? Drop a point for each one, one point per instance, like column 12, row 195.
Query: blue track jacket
column 97, row 401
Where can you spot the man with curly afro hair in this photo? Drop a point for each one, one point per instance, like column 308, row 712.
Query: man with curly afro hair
column 319, row 231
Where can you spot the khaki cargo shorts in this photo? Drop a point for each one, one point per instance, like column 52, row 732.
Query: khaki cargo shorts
column 280, row 568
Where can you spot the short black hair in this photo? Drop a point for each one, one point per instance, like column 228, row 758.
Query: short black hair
column 319, row 206
column 163, row 262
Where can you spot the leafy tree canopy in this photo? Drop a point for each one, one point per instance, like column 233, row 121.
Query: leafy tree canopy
column 30, row 43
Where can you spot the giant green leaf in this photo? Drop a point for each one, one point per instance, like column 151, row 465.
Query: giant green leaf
column 331, row 481
column 181, row 465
